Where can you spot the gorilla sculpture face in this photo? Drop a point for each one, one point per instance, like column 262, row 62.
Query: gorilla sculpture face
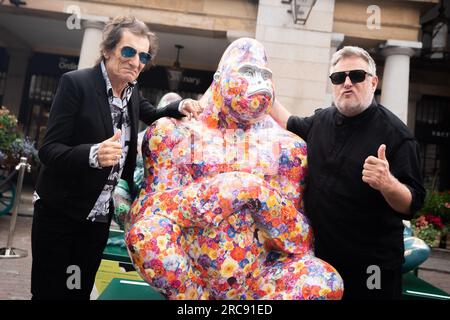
column 243, row 88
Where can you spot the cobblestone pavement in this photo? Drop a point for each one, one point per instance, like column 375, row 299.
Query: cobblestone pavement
column 15, row 273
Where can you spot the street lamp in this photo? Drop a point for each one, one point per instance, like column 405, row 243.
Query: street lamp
column 175, row 73
column 300, row 9
column 436, row 34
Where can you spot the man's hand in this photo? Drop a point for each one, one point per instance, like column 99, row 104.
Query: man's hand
column 110, row 151
column 191, row 108
column 376, row 171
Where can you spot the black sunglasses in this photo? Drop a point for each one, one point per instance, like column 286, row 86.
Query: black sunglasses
column 129, row 52
column 355, row 76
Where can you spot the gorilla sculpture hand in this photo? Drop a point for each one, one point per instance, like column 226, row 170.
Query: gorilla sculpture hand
column 220, row 212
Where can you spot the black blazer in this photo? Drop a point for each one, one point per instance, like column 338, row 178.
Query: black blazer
column 80, row 117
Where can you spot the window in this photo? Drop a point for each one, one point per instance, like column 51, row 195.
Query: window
column 433, row 133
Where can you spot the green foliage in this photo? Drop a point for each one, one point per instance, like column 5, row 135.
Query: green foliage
column 438, row 204
column 433, row 220
column 8, row 129
column 426, row 230
column 13, row 145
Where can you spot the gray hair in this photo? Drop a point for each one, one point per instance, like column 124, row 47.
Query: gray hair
column 112, row 34
column 352, row 51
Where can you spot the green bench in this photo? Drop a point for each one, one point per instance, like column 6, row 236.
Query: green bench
column 114, row 251
column 415, row 288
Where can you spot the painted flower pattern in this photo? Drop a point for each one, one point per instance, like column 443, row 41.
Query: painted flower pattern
column 220, row 212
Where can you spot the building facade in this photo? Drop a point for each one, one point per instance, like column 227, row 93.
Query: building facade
column 42, row 39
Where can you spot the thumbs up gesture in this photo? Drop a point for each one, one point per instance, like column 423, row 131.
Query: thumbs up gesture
column 110, row 151
column 376, row 171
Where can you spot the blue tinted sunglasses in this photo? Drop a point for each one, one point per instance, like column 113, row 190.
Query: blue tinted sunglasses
column 129, row 52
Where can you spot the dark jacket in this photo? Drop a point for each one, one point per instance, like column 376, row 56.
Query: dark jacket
column 353, row 224
column 80, row 117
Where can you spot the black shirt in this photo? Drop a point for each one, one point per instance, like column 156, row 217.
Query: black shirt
column 352, row 222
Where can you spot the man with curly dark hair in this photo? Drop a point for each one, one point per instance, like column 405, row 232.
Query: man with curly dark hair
column 91, row 142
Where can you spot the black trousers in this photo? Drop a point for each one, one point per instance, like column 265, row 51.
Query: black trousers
column 361, row 284
column 66, row 254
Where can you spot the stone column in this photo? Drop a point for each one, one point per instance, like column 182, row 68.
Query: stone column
column 90, row 47
column 395, row 82
column 15, row 79
column 298, row 55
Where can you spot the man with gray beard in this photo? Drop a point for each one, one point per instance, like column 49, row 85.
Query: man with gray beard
column 364, row 179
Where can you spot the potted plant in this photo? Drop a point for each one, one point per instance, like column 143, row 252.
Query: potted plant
column 13, row 145
column 431, row 223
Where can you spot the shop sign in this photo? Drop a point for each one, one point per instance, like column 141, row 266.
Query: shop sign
column 52, row 64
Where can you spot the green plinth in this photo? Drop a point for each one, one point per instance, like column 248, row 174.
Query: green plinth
column 415, row 288
column 115, row 251
column 123, row 289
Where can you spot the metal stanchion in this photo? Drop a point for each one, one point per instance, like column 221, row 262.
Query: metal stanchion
column 9, row 251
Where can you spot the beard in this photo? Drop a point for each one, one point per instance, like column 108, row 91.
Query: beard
column 351, row 108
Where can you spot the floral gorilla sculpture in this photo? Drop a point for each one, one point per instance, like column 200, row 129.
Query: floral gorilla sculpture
column 220, row 212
